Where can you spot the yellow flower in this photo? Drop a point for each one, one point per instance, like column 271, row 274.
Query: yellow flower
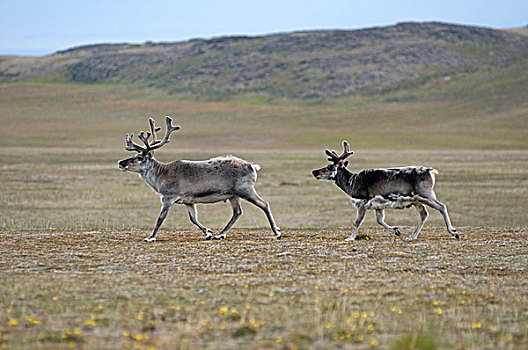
column 223, row 310
column 476, row 325
column 278, row 340
column 363, row 315
column 54, row 298
column 12, row 322
column 248, row 307
column 435, row 302
column 90, row 322
column 439, row 311
column 32, row 320
column 374, row 342
column 271, row 294
column 138, row 336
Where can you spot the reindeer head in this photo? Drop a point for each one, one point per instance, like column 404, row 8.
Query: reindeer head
column 329, row 172
column 141, row 161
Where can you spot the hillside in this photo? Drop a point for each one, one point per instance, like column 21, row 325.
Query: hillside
column 301, row 64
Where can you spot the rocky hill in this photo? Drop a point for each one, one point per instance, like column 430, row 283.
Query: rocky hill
column 301, row 64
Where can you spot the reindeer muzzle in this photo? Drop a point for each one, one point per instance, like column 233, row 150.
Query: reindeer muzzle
column 316, row 174
column 122, row 164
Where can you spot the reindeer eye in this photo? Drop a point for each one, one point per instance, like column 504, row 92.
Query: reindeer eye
column 140, row 158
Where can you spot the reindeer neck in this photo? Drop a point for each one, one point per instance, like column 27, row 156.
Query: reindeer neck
column 152, row 174
column 344, row 180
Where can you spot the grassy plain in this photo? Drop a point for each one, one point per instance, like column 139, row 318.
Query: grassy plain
column 74, row 272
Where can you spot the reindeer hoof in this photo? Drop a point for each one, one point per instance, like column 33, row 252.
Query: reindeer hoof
column 456, row 236
column 208, row 237
column 219, row 237
column 397, row 232
column 149, row 239
column 278, row 233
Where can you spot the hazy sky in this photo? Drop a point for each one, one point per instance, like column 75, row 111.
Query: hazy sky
column 37, row 27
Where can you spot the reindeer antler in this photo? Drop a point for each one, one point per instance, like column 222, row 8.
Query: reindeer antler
column 131, row 146
column 154, row 129
column 145, row 136
column 335, row 158
column 168, row 121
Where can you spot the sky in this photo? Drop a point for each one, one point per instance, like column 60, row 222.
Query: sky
column 40, row 27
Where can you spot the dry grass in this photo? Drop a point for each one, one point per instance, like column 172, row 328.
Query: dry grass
column 74, row 272
column 104, row 288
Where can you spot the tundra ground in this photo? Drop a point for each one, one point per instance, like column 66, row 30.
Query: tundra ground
column 74, row 272
column 107, row 289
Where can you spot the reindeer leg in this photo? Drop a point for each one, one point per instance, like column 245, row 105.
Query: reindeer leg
column 237, row 212
column 361, row 211
column 251, row 196
column 380, row 216
column 193, row 215
column 166, row 204
column 423, row 216
column 441, row 207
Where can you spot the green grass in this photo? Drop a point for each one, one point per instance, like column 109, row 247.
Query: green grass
column 76, row 274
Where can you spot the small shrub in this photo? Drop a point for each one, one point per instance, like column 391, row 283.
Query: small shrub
column 412, row 342
column 244, row 332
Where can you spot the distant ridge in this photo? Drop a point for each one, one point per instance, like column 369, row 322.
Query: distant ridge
column 300, row 64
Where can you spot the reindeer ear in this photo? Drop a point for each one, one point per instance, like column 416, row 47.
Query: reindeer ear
column 345, row 164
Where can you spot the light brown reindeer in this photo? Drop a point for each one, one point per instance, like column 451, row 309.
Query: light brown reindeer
column 189, row 182
column 379, row 189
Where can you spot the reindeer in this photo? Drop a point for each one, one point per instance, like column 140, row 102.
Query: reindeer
column 189, row 182
column 379, row 189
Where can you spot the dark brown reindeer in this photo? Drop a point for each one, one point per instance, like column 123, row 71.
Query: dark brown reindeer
column 189, row 182
column 379, row 189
